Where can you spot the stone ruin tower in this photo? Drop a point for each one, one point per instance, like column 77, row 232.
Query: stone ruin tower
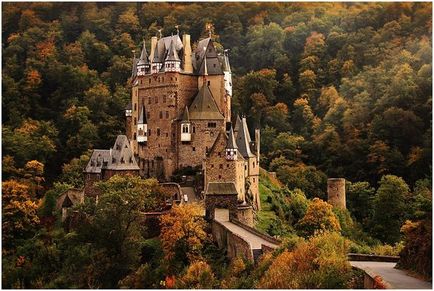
column 336, row 192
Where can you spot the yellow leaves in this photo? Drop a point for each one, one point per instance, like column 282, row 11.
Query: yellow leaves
column 319, row 217
column 310, row 265
column 12, row 37
column 199, row 275
column 183, row 225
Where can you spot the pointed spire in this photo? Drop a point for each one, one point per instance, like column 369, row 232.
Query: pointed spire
column 177, row 29
column 172, row 55
column 186, row 115
column 156, row 55
column 134, row 69
column 231, row 144
column 238, row 124
column 226, row 65
column 143, row 56
column 243, row 139
column 142, row 116
column 159, row 32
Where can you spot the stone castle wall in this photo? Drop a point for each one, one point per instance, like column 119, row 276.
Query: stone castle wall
column 202, row 138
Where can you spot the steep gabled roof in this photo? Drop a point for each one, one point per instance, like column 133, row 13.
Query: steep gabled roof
column 243, row 140
column 172, row 55
column 142, row 116
column 205, row 49
column 122, row 157
column 143, row 60
column 204, row 106
column 158, row 57
column 97, row 160
column 238, row 124
column 119, row 158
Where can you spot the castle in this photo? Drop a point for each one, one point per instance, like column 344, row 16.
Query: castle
column 180, row 116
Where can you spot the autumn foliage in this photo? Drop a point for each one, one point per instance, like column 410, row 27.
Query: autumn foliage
column 319, row 218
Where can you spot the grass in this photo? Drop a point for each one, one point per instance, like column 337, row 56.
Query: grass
column 265, row 217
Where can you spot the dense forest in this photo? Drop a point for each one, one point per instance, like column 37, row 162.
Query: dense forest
column 337, row 89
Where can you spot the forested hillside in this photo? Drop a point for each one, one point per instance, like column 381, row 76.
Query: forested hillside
column 338, row 90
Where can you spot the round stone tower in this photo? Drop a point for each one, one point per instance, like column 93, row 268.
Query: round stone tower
column 336, row 192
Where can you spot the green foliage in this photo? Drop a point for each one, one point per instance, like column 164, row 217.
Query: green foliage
column 391, row 195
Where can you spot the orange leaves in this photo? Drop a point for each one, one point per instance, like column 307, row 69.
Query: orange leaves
column 46, row 48
column 317, row 263
column 319, row 218
column 33, row 78
column 183, row 225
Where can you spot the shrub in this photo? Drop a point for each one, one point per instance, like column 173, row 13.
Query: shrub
column 320, row 262
column 198, row 276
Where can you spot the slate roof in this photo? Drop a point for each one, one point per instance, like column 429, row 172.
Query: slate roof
column 158, row 53
column 134, row 69
column 142, row 116
column 129, row 106
column 143, row 56
column 70, row 198
column 120, row 157
column 243, row 139
column 204, row 106
column 231, row 144
column 172, row 55
column 221, row 188
column 186, row 115
column 205, row 47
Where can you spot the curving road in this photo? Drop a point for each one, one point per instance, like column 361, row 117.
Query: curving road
column 398, row 279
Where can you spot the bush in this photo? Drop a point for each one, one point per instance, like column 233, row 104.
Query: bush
column 320, row 262
column 198, row 276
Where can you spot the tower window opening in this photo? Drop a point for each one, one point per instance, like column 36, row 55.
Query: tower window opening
column 194, row 149
column 158, row 132
column 135, row 121
column 135, row 106
column 209, row 83
column 161, row 114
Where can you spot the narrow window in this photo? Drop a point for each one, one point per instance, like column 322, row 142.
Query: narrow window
column 158, row 132
column 221, row 166
column 135, row 121
column 209, row 83
column 135, row 106
column 164, row 98
column 194, row 129
column 161, row 114
column 194, row 149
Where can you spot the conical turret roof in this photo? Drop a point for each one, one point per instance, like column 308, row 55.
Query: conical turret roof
column 238, row 124
column 231, row 144
column 243, row 140
column 186, row 115
column 142, row 116
column 143, row 56
column 172, row 55
column 157, row 57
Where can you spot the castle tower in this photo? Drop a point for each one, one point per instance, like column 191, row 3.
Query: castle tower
column 157, row 61
column 143, row 65
column 231, row 147
column 172, row 63
column 336, row 192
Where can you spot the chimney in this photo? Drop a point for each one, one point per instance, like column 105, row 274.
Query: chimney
column 188, row 65
column 153, row 45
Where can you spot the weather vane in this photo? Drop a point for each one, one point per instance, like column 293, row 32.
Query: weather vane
column 209, row 28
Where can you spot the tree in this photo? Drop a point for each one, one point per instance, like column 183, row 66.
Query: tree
column 360, row 200
column 319, row 218
column 198, row 276
column 19, row 217
column 391, row 195
column 72, row 173
column 320, row 262
column 113, row 227
column 183, row 233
